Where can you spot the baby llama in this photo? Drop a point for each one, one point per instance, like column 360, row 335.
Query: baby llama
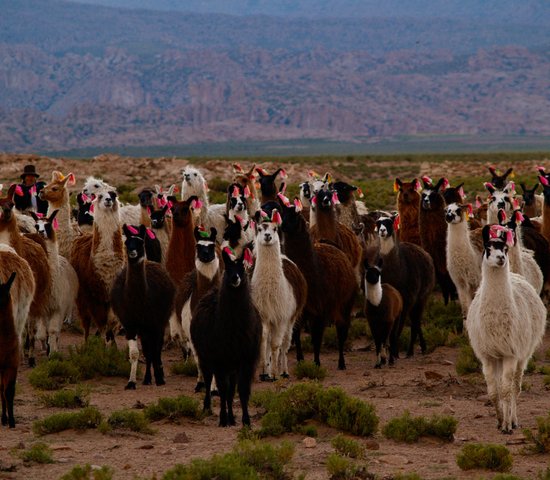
column 505, row 324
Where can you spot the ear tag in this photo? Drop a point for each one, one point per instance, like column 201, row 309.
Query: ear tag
column 248, row 259
column 55, row 224
column 298, row 207
column 445, row 184
column 231, row 253
column 196, row 204
column 470, row 209
column 252, row 225
column 543, row 180
column 203, row 233
column 427, row 179
column 150, row 234
column 276, row 218
column 314, row 201
column 84, row 198
column 335, row 200
column 510, row 238
column 132, row 230
column 257, row 186
column 247, row 193
column 360, row 193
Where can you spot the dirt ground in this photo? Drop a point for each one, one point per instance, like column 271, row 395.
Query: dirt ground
column 424, row 385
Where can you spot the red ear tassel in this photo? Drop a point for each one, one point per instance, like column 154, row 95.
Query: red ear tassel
column 470, row 209
column 335, row 200
column 445, row 184
column 276, row 217
column 283, row 173
column 360, row 193
column 92, row 208
column 247, row 192
column 55, row 224
column 263, row 214
column 510, row 238
column 427, row 179
column 396, row 223
column 519, row 217
column 235, row 193
column 39, row 215
column 150, row 234
column 284, row 199
column 84, row 198
column 543, row 180
column 261, row 170
column 239, row 219
column 248, row 259
column 132, row 230
column 196, row 204
column 298, row 205
column 314, row 201
column 148, row 210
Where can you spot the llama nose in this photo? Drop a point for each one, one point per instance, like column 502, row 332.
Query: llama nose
column 501, row 204
column 132, row 254
column 267, row 237
column 449, row 217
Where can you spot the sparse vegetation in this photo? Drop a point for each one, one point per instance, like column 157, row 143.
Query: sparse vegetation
column 173, row 409
column 307, row 369
column 485, row 456
column 347, row 446
column 467, row 362
column 248, row 461
column 187, row 368
column 88, row 417
column 53, row 374
column 37, row 453
column 127, row 420
column 340, row 468
column 88, row 472
column 67, row 398
column 541, row 439
column 409, row 429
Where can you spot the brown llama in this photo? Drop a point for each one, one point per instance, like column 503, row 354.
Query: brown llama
column 408, row 207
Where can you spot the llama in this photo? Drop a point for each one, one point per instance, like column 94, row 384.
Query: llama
column 22, row 290
column 36, row 256
column 545, row 182
column 64, row 281
column 463, row 262
column 349, row 210
column 505, row 324
column 409, row 269
column 226, row 331
column 267, row 184
column 279, row 292
column 532, row 203
column 237, row 202
column 56, row 193
column 238, row 235
column 153, row 250
column 9, row 352
column 308, row 190
column 162, row 229
column 331, row 281
column 383, row 307
column 195, row 285
column 97, row 259
column 408, row 206
column 500, row 181
column 329, row 229
column 247, row 180
column 141, row 297
column 84, row 216
column 433, row 233
column 499, row 200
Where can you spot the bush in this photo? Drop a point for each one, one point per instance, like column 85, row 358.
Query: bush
column 88, row 417
column 89, row 473
column 76, row 398
column 467, row 362
column 96, row 359
column 487, row 456
column 53, row 374
column 173, row 409
column 127, row 420
column 185, row 367
column 407, row 476
column 38, row 453
column 308, row 430
column 505, row 476
column 544, row 474
column 248, row 461
column 409, row 429
column 541, row 440
column 311, row 370
column 347, row 447
column 340, row 467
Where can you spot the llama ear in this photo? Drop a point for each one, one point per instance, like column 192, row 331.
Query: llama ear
column 172, row 198
column 10, row 281
column 71, row 179
column 510, row 172
column 213, row 234
column 258, row 216
column 197, row 233
column 34, row 216
column 261, row 172
column 298, row 207
column 485, row 233
column 490, row 187
column 248, row 259
column 523, row 187
column 510, row 187
column 51, row 218
column 57, row 176
column 493, row 171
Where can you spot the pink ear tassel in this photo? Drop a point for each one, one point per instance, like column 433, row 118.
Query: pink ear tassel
column 519, row 217
column 150, row 234
column 248, row 259
column 237, row 167
column 72, row 179
column 252, row 224
column 470, row 209
column 298, row 205
column 493, row 233
column 148, row 210
column 478, row 203
column 283, row 190
column 39, row 215
column 283, row 173
column 540, row 169
column 427, row 179
column 161, row 201
column 230, row 252
column 235, row 193
column 84, row 198
column 247, row 192
column 396, row 223
column 170, row 204
column 417, row 186
column 276, row 217
column 543, row 180
column 263, row 214
column 19, row 191
column 239, row 219
column 335, row 200
column 132, row 229
column 461, row 192
column 515, row 204
column 92, row 208
column 261, row 170
column 284, row 199
column 510, row 238
column 445, row 184
column 512, row 186
column 55, row 224
column 314, row 201
column 360, row 193
column 196, row 204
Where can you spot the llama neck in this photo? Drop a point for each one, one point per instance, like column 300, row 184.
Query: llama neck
column 269, row 265
column 326, row 225
column 180, row 258
column 7, row 323
column 495, row 288
column 207, row 274
column 458, row 237
column 387, row 244
column 546, row 221
column 234, row 303
column 10, row 235
column 106, row 232
column 515, row 259
column 53, row 253
column 374, row 292
column 145, row 219
column 136, row 283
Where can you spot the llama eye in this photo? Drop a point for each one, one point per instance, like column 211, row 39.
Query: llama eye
column 96, row 185
column 195, row 174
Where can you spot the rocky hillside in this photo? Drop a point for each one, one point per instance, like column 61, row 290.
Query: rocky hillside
column 81, row 76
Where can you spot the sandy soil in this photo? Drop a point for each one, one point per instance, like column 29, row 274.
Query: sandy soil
column 423, row 385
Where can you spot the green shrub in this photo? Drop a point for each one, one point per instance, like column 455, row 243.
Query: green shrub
column 340, row 468
column 330, row 339
column 311, row 370
column 89, row 473
column 53, row 374
column 506, row 476
column 544, row 474
column 531, row 366
column 487, row 456
column 88, row 417
column 37, row 453
column 173, row 409
column 467, row 362
column 127, row 420
column 185, row 367
column 308, row 430
column 76, row 398
column 347, row 447
column 248, row 461
column 410, row 429
column 96, row 359
column 540, row 440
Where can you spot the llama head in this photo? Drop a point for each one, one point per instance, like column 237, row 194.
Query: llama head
column 182, row 211
column 408, row 192
column 501, row 199
column 454, row 194
column 344, row 191
column 305, row 193
column 45, row 226
column 432, row 195
column 236, row 199
column 245, row 179
column 324, row 200
column 528, row 194
column 5, row 291
column 267, row 181
column 85, row 214
column 57, row 190
column 496, row 241
column 93, row 186
column 498, row 180
column 135, row 242
column 193, row 183
column 146, row 197
column 458, row 212
column 267, row 228
column 233, row 232
column 387, row 226
column 6, row 210
column 159, row 216
column 235, row 268
column 106, row 200
column 205, row 244
column 373, row 273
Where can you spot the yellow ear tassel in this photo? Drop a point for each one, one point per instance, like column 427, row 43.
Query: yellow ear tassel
column 512, row 175
column 467, row 215
column 395, row 186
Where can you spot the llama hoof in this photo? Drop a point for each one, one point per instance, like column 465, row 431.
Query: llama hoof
column 515, row 425
column 214, row 393
column 285, row 375
column 160, row 382
column 199, row 387
column 12, row 425
column 507, row 431
column 4, row 421
column 147, row 381
column 377, row 365
column 341, row 367
column 383, row 361
column 130, row 386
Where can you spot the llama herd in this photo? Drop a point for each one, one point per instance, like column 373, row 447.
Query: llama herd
column 233, row 284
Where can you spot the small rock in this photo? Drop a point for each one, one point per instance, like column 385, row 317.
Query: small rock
column 394, row 459
column 181, row 438
column 447, row 362
column 371, row 445
column 127, row 467
column 448, row 410
column 63, row 460
column 96, row 467
column 309, row 442
column 147, row 446
column 483, row 398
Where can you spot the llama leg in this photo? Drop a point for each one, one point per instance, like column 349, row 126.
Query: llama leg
column 297, row 342
column 518, row 378
column 284, row 354
column 317, row 328
column 134, row 356
column 378, row 345
column 230, row 397
column 274, row 367
column 147, row 347
column 398, row 331
column 509, row 365
column 223, row 387
column 10, row 395
column 416, row 328
column 3, row 398
column 207, row 404
column 491, row 373
column 157, row 362
column 342, row 333
column 265, row 364
column 244, row 384
column 29, row 342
